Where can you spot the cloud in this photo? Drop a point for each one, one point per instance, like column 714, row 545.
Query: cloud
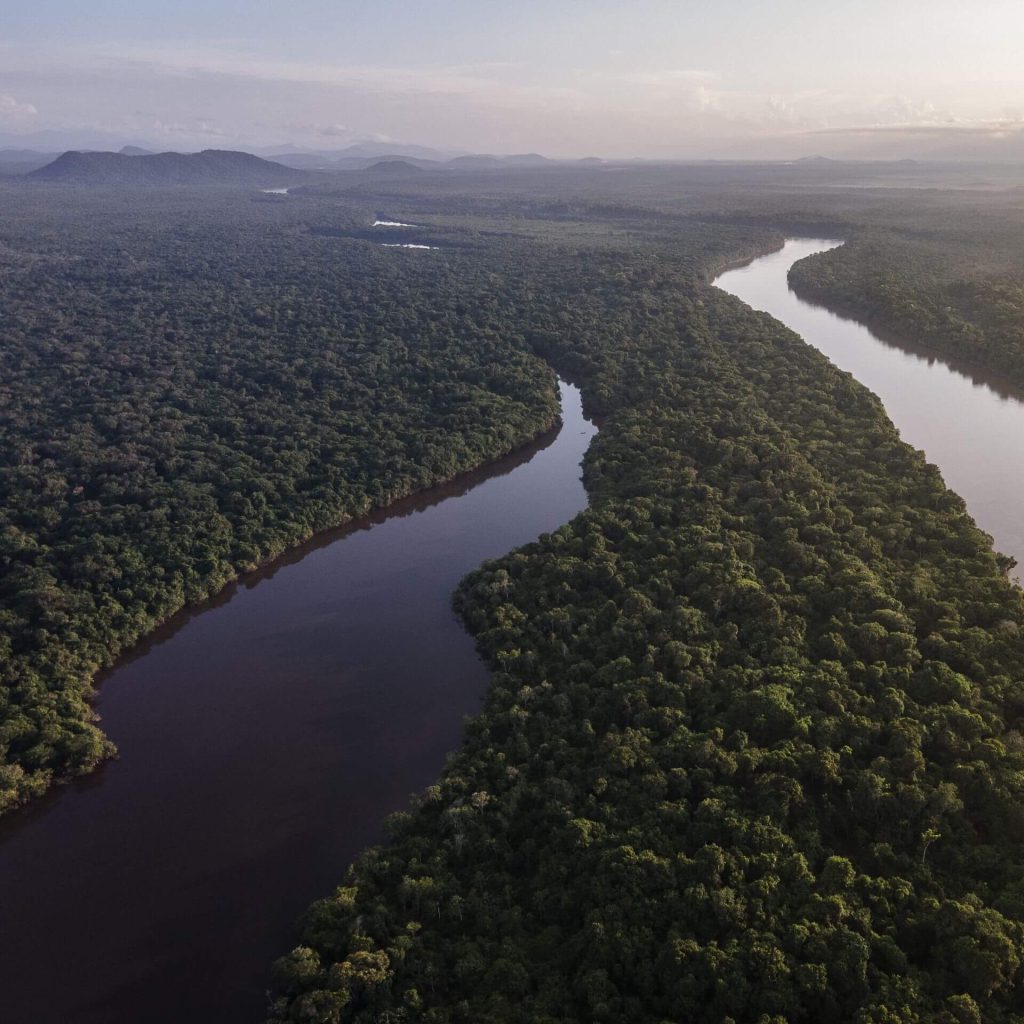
column 13, row 112
column 668, row 77
column 335, row 131
column 195, row 93
column 454, row 79
column 473, row 105
column 992, row 129
column 151, row 123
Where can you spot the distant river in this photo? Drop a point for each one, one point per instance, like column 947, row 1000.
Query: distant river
column 264, row 737
column 969, row 424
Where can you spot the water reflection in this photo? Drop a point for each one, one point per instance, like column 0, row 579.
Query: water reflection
column 263, row 740
column 967, row 422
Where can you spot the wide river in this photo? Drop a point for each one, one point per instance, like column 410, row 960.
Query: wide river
column 263, row 740
column 969, row 424
column 265, row 736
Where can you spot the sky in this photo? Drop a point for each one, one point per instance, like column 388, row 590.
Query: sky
column 567, row 78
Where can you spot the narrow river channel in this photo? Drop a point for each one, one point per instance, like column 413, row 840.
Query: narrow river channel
column 263, row 738
column 971, row 426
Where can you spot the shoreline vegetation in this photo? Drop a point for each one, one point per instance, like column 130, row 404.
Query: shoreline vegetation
column 227, row 440
column 923, row 346
column 394, row 505
column 944, row 290
column 24, row 790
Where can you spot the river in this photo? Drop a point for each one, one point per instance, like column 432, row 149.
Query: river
column 263, row 738
column 969, row 424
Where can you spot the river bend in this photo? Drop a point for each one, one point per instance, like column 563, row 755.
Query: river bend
column 263, row 738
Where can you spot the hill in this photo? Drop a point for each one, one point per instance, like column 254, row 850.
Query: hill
column 394, row 167
column 210, row 167
column 476, row 162
column 527, row 160
column 489, row 162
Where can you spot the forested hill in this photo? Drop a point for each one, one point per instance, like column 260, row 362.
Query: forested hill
column 394, row 167
column 210, row 167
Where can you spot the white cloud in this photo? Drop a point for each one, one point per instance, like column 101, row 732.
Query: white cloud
column 13, row 113
column 336, row 131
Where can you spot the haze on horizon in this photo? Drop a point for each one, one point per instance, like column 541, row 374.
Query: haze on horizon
column 568, row 78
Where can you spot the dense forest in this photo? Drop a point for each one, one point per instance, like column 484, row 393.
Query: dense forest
column 753, row 748
column 933, row 256
column 956, row 289
column 190, row 385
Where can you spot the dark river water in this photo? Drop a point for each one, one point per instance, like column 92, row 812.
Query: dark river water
column 970, row 425
column 263, row 739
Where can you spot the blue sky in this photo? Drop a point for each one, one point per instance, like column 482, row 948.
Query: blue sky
column 566, row 77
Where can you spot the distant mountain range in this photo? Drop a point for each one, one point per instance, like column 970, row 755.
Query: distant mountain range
column 136, row 166
column 210, row 167
column 367, row 156
column 133, row 165
column 1003, row 143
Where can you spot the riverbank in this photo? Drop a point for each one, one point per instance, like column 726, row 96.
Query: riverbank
column 264, row 740
column 944, row 291
column 978, row 450
column 759, row 662
column 978, row 372
column 173, row 616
